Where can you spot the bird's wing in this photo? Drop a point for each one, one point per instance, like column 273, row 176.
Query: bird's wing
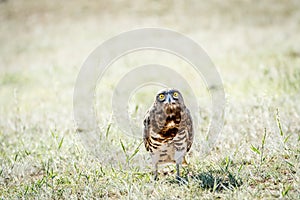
column 190, row 130
column 146, row 134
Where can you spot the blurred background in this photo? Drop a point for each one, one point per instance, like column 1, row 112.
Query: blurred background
column 255, row 45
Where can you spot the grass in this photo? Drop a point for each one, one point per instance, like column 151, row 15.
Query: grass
column 255, row 48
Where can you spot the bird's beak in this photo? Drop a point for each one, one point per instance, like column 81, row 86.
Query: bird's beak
column 169, row 99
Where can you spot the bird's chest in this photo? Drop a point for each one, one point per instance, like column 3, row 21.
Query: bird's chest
column 168, row 121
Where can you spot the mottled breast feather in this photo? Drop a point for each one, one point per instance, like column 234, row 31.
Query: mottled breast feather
column 162, row 125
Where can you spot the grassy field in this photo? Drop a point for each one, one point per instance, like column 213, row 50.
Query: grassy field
column 255, row 47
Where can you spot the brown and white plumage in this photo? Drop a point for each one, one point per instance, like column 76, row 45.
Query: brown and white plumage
column 168, row 129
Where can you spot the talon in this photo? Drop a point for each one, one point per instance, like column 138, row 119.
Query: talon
column 181, row 180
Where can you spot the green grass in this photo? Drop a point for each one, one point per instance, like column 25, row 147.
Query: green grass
column 255, row 48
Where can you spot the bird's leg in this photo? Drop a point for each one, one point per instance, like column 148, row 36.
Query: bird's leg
column 178, row 158
column 156, row 172
column 177, row 172
column 179, row 179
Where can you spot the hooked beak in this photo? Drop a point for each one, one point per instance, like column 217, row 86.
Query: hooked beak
column 169, row 99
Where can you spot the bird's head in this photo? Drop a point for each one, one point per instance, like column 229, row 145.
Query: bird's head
column 169, row 97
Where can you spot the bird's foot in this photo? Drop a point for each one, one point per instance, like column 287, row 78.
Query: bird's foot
column 181, row 180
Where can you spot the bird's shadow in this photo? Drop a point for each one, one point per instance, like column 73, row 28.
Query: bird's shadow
column 213, row 180
column 217, row 180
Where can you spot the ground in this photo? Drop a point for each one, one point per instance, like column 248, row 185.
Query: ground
column 255, row 48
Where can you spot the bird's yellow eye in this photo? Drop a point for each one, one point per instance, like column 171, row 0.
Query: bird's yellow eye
column 161, row 96
column 175, row 94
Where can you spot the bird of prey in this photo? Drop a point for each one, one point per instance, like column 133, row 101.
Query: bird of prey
column 168, row 130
